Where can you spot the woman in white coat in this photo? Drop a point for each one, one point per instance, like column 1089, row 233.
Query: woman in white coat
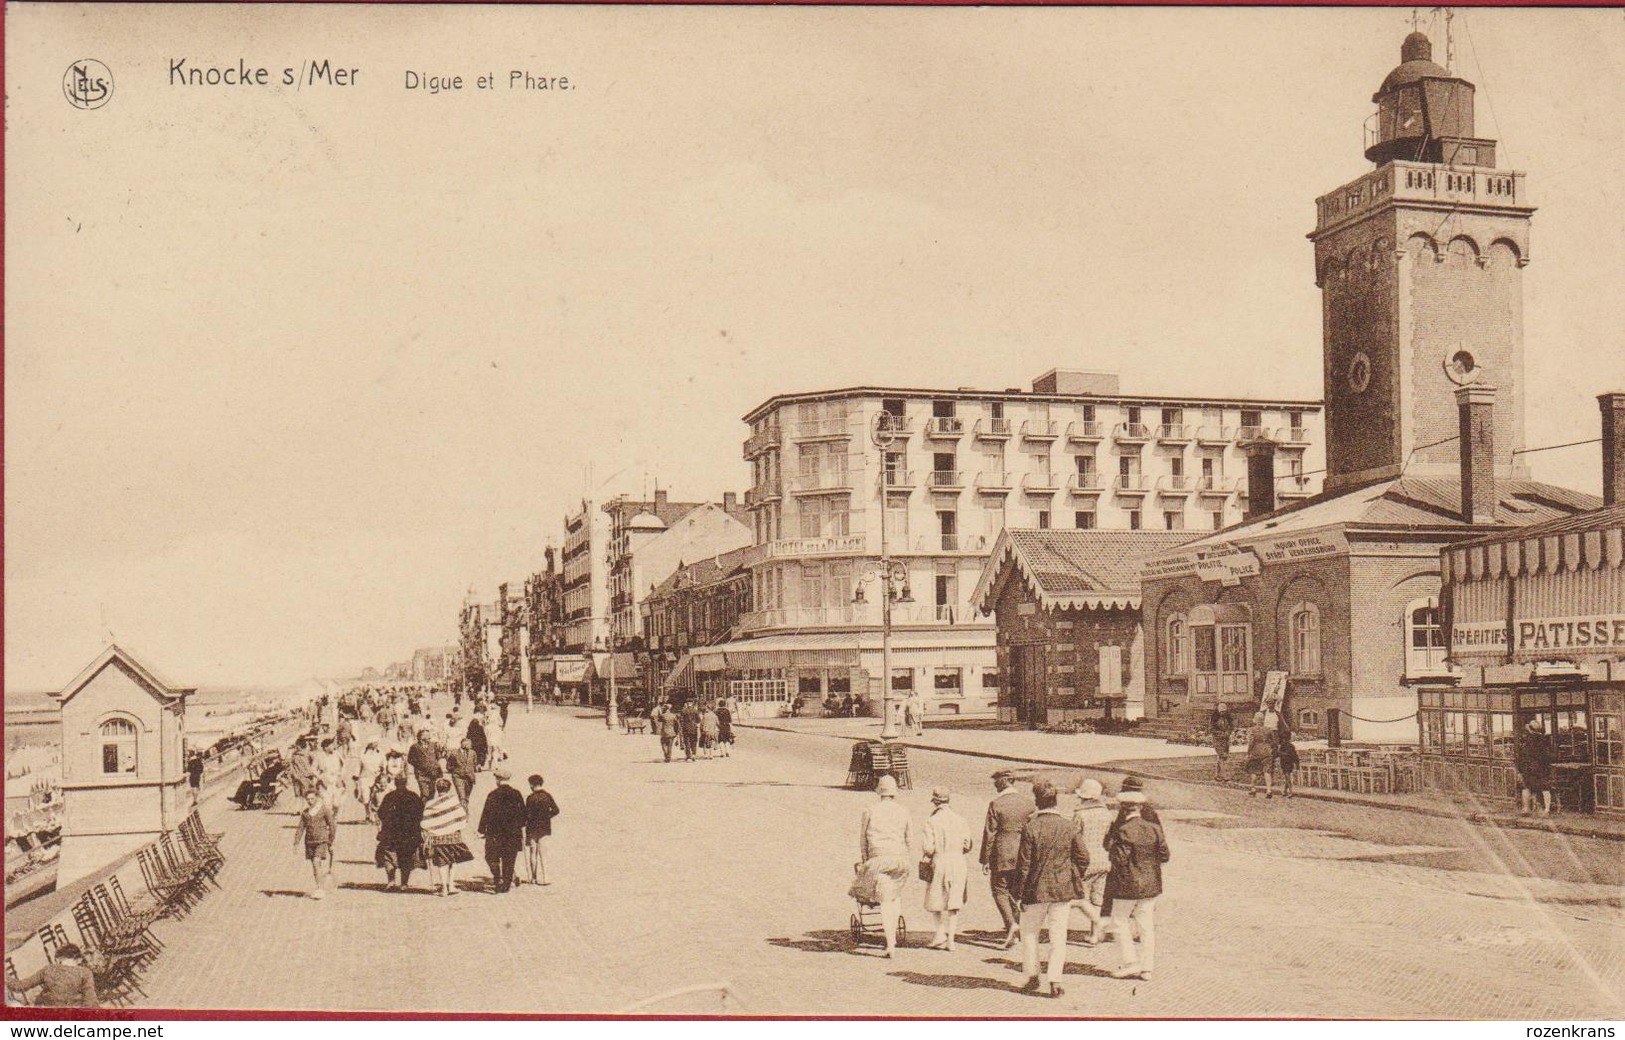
column 947, row 846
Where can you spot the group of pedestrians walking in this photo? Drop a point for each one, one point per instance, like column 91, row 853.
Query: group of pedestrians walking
column 1270, row 751
column 419, row 797
column 1041, row 862
column 700, row 729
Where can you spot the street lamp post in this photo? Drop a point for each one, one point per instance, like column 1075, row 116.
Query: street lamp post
column 891, row 574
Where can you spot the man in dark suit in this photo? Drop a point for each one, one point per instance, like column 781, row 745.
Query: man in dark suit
column 462, row 765
column 502, row 825
column 400, row 815
column 424, row 758
column 1001, row 841
column 482, row 744
column 1051, row 866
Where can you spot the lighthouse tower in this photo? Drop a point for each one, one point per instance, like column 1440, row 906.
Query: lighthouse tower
column 1420, row 266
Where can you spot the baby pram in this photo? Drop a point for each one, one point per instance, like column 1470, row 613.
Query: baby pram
column 261, row 788
column 866, row 924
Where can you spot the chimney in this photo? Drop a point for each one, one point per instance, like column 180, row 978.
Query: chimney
column 1475, row 406
column 1613, row 446
column 1260, row 478
column 730, row 500
column 660, row 500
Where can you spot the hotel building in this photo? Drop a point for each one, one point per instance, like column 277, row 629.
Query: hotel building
column 952, row 468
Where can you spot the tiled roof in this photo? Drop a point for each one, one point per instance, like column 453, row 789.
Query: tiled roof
column 1420, row 502
column 712, row 569
column 1069, row 568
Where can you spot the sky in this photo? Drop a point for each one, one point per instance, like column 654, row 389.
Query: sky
column 288, row 371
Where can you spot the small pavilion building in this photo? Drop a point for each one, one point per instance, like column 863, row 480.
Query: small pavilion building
column 123, row 768
column 1067, row 607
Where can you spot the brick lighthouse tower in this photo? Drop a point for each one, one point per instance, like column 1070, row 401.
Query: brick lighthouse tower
column 1420, row 265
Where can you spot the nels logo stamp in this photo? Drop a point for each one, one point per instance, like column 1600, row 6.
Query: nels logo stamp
column 87, row 84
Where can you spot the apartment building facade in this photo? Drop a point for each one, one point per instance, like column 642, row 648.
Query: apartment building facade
column 584, row 579
column 951, row 469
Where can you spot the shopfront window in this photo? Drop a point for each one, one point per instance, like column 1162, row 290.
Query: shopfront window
column 1571, row 737
column 1608, row 736
column 947, row 682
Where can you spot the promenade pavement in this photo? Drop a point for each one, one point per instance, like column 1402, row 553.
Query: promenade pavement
column 1147, row 757
column 735, row 871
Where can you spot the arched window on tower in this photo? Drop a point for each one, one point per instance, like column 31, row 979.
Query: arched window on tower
column 118, row 747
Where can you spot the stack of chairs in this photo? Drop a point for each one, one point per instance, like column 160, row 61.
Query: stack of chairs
column 176, row 892
column 182, row 863
column 203, row 845
column 12, row 978
column 115, row 978
column 114, row 955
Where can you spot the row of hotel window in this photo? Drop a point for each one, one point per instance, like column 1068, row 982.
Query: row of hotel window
column 829, row 465
column 832, row 518
column 835, row 585
column 1217, row 656
column 828, row 411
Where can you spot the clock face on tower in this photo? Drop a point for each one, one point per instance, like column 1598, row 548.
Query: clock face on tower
column 1359, row 373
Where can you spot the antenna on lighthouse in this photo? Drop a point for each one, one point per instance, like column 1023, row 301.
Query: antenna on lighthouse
column 1449, row 37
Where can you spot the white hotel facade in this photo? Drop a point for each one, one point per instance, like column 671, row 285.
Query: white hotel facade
column 962, row 465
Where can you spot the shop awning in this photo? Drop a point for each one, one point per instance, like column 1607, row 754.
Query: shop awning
column 682, row 676
column 832, row 650
column 542, row 669
column 801, row 650
column 622, row 666
column 572, row 669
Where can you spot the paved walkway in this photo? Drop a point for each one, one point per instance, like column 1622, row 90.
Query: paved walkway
column 1146, row 757
column 735, row 870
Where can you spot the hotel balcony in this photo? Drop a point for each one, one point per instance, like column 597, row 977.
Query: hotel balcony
column 896, row 425
column 936, row 543
column 1040, row 483
column 1296, row 436
column 945, row 480
column 1084, row 484
column 1131, row 484
column 1040, row 430
column 761, row 494
column 821, row 483
column 1215, row 436
column 1174, row 433
column 899, row 479
column 992, row 429
column 1292, row 487
column 944, row 427
column 1084, row 432
column 994, row 483
column 1215, row 487
column 834, row 545
column 756, row 443
column 1251, row 433
column 823, row 430
column 1131, row 433
column 1175, row 486
column 802, row 617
